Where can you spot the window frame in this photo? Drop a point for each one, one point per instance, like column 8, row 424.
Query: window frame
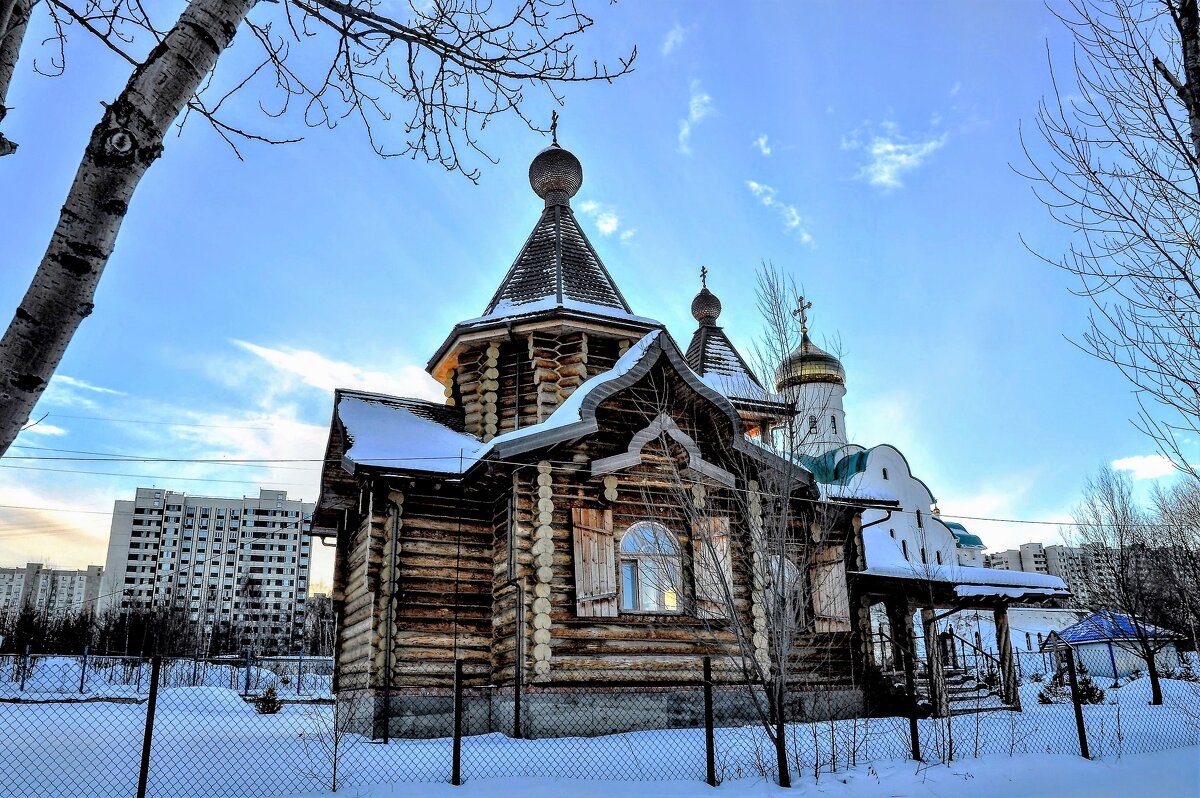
column 636, row 558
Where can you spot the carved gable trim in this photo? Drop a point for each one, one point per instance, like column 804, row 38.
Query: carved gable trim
column 663, row 425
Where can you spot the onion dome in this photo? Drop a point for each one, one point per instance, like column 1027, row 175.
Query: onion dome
column 809, row 363
column 705, row 307
column 555, row 175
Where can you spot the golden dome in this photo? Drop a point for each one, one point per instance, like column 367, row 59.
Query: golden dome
column 808, row 363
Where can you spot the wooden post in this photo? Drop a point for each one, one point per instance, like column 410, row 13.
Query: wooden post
column 1008, row 673
column 900, row 619
column 1083, row 743
column 83, row 670
column 148, row 734
column 933, row 665
column 710, row 743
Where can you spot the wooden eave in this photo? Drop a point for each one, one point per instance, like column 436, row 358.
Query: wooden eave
column 464, row 334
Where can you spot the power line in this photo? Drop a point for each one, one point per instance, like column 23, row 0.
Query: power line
column 156, row 423
column 159, row 477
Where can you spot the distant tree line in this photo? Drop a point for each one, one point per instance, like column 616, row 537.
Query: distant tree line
column 168, row 631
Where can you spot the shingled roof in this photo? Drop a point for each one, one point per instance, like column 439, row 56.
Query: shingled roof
column 557, row 267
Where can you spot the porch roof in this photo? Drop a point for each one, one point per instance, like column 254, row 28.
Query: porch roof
column 969, row 582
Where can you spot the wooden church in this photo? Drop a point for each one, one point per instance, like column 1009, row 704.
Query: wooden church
column 585, row 508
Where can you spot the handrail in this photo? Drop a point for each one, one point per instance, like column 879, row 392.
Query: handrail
column 992, row 660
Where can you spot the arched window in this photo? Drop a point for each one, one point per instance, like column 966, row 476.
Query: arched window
column 923, row 559
column 833, row 424
column 938, row 553
column 904, row 548
column 812, row 425
column 920, row 520
column 885, row 476
column 651, row 569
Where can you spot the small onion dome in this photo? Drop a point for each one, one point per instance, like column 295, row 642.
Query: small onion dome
column 706, row 307
column 555, row 175
column 806, row 364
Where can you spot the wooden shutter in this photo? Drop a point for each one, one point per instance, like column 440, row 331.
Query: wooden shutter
column 830, row 594
column 712, row 567
column 595, row 563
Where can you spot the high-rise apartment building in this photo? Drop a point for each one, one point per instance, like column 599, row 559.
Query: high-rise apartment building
column 1088, row 570
column 237, row 568
column 49, row 591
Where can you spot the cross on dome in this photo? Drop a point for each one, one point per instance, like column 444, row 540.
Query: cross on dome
column 801, row 310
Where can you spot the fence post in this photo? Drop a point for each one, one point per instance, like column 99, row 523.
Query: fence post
column 456, row 764
column 148, row 737
column 1083, row 743
column 710, row 744
column 248, row 662
column 299, row 671
column 83, row 670
column 25, row 668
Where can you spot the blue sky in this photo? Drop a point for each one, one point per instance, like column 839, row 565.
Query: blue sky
column 867, row 149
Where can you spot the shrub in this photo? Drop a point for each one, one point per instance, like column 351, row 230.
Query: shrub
column 1134, row 675
column 268, row 703
column 1187, row 671
column 1089, row 691
column 1037, row 676
column 1053, row 693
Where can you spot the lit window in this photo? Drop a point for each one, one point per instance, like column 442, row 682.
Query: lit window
column 651, row 569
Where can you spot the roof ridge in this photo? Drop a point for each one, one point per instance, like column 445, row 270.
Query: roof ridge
column 557, row 261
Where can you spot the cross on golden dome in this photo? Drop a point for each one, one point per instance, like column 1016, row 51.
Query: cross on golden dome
column 801, row 310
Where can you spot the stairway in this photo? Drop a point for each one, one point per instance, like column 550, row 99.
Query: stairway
column 965, row 692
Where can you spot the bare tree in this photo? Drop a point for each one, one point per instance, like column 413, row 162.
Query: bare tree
column 448, row 70
column 1119, row 539
column 1122, row 171
column 762, row 562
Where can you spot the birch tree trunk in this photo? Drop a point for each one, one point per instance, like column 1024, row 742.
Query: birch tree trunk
column 127, row 140
column 14, row 17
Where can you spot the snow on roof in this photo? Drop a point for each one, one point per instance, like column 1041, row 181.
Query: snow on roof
column 510, row 310
column 1106, row 625
column 974, row 581
column 386, row 431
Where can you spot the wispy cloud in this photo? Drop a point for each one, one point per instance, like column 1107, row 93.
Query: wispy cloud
column 606, row 218
column 956, row 88
column 44, row 429
column 890, row 153
column 317, row 371
column 769, row 198
column 700, row 107
column 762, row 144
column 674, row 39
column 1145, row 466
column 85, row 386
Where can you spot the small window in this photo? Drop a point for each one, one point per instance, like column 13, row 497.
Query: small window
column 920, row 520
column 885, row 476
column 651, row 569
column 938, row 554
column 892, row 532
column 812, row 425
column 833, row 424
column 923, row 558
column 904, row 548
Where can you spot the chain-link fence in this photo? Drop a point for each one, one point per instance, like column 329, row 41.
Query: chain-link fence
column 217, row 728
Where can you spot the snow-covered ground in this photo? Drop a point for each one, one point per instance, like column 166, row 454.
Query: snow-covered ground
column 210, row 743
column 1167, row 773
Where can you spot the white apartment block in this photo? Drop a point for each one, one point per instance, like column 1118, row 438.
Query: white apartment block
column 238, row 568
column 49, row 591
column 1087, row 569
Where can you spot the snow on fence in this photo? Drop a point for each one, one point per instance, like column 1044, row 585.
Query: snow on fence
column 211, row 740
